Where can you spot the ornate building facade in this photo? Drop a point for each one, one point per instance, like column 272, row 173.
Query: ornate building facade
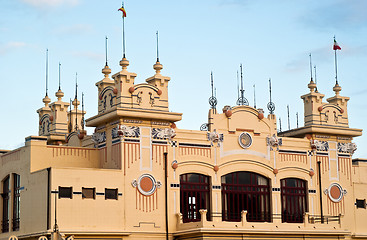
column 138, row 176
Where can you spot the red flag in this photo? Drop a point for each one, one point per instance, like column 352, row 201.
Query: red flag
column 122, row 9
column 336, row 46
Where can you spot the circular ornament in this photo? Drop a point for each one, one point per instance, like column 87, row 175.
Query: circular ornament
column 51, row 118
column 342, row 110
column 159, row 92
column 311, row 173
column 147, row 184
column 260, row 116
column 131, row 89
column 115, row 90
column 319, row 108
column 335, row 192
column 275, row 171
column 245, row 140
column 216, row 168
column 228, row 113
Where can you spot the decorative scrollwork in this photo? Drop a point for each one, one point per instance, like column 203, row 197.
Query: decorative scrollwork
column 242, row 101
column 163, row 133
column 347, row 147
column 204, row 127
column 213, row 101
column 99, row 137
column 274, row 142
column 320, row 145
column 126, row 131
column 215, row 137
column 271, row 107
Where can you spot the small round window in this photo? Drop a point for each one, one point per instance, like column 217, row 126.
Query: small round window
column 245, row 140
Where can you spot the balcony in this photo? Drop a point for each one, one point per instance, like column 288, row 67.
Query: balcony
column 309, row 224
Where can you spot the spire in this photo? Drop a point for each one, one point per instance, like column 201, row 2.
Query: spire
column 82, row 111
column 312, row 84
column 289, row 122
column 212, row 99
column 242, row 100
column 157, row 66
column 46, row 100
column 76, row 102
column 106, row 70
column 59, row 94
column 271, row 105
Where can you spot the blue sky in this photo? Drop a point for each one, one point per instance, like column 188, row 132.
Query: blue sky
column 270, row 38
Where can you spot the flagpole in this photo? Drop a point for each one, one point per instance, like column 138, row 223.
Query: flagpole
column 123, row 35
column 336, row 65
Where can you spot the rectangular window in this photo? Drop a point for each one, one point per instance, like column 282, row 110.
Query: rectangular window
column 361, row 203
column 111, row 193
column 89, row 193
column 16, row 202
column 65, row 192
column 5, row 196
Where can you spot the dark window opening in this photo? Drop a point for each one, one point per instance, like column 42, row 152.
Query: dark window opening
column 6, row 208
column 195, row 195
column 65, row 192
column 294, row 199
column 246, row 191
column 16, row 202
column 111, row 193
column 89, row 193
column 361, row 203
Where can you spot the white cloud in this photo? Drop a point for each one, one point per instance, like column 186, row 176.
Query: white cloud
column 50, row 3
column 89, row 55
column 11, row 46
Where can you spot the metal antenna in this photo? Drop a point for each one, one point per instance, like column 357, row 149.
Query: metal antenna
column 271, row 105
column 59, row 76
column 157, row 48
column 254, row 96
column 212, row 100
column 242, row 100
column 289, row 123
column 46, row 71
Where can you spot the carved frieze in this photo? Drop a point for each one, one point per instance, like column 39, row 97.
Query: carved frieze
column 163, row 133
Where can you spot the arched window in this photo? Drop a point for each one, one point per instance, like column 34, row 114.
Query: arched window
column 246, row 191
column 294, row 201
column 195, row 195
column 5, row 196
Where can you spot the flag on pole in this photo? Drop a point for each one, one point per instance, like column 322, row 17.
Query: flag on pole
column 122, row 9
column 336, row 46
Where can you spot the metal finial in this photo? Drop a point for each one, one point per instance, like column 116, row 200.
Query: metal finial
column 280, row 124
column 59, row 76
column 212, row 100
column 311, row 67
column 242, row 100
column 106, row 41
column 76, row 101
column 297, row 118
column 70, row 124
column 47, row 72
column 315, row 79
column 289, row 123
column 238, row 86
column 157, row 48
column 271, row 105
column 82, row 110
column 254, row 96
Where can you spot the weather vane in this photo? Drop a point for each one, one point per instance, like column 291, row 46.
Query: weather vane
column 212, row 100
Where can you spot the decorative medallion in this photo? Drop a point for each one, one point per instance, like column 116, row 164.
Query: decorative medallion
column 335, row 192
column 99, row 137
column 274, row 142
column 347, row 147
column 146, row 184
column 245, row 140
column 320, row 145
column 125, row 131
